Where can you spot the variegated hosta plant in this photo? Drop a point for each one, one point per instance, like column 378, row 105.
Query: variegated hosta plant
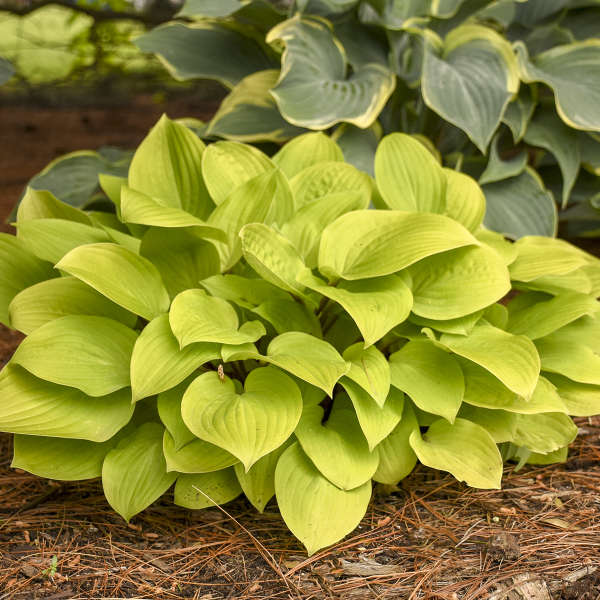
column 508, row 90
column 242, row 324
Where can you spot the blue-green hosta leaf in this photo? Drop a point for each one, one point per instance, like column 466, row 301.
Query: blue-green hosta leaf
column 314, row 89
column 498, row 169
column 305, row 228
column 338, row 448
column 206, row 50
column 32, row 406
column 370, row 369
column 472, row 81
column 245, row 292
column 542, row 318
column 205, row 490
column 392, row 15
column 198, row 317
column 541, row 256
column 169, row 410
column 59, row 458
column 573, row 73
column 228, row 165
column 372, row 243
column 6, row 70
column 465, row 201
column 581, row 400
column 197, row 456
column 209, row 8
column 376, row 421
column 544, row 433
column 288, row 315
column 249, row 113
column 20, row 269
column 513, row 359
column 464, row 449
column 520, row 206
column 128, row 279
column 317, row 512
column 51, row 239
column 91, row 354
column 140, row 209
column 407, row 175
column 324, row 178
column 376, row 305
column 259, row 482
column 249, row 425
column 440, row 282
column 500, row 424
column 396, row 457
column 158, row 363
column 547, row 131
column 519, row 112
column 167, row 166
column 531, row 13
column 590, row 152
column 431, row 377
column 359, row 145
column 306, row 150
column 42, row 204
column 58, row 297
column 134, row 474
column 569, row 358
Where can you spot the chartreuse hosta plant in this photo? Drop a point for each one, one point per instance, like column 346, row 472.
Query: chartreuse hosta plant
column 508, row 90
column 242, row 324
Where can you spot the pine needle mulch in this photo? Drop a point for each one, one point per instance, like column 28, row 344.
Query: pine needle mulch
column 433, row 538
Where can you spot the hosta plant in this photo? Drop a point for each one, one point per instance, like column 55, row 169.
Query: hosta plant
column 241, row 324
column 507, row 90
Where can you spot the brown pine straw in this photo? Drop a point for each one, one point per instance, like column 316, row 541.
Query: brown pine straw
column 536, row 539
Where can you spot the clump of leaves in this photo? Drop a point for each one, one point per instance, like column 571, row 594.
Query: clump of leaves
column 505, row 89
column 242, row 324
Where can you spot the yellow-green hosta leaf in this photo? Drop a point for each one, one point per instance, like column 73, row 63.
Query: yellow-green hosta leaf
column 375, row 421
column 500, row 424
column 460, row 325
column 181, row 256
column 573, row 73
column 396, row 457
column 228, row 165
column 249, row 113
column 370, row 369
column 464, row 449
column 372, row 243
column 273, row 257
column 141, row 209
column 314, row 89
column 544, row 433
column 204, row 490
column 431, row 377
column 129, row 280
column 338, row 447
column 306, row 150
column 20, row 269
column 32, row 406
column 91, row 354
column 169, row 410
column 242, row 291
column 513, row 359
column 198, row 317
column 520, row 206
column 248, row 425
column 580, row 399
column 304, row 229
column 584, row 331
column 458, row 283
column 465, row 201
column 287, row 315
column 324, row 178
column 167, row 166
column 197, row 456
column 507, row 250
column 111, row 185
column 42, row 204
column 259, row 482
column 58, row 297
column 542, row 318
column 541, row 256
column 576, row 281
column 134, row 473
column 471, row 82
column 59, row 458
column 158, row 363
column 51, row 239
column 317, row 512
column 407, row 175
column 569, row 358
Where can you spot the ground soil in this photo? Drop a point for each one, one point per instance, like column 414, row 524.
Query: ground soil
column 432, row 538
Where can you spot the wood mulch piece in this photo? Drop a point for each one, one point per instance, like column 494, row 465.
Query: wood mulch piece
column 432, row 538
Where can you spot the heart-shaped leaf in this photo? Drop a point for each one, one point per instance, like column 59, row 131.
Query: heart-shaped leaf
column 205, row 490
column 370, row 369
column 306, row 150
